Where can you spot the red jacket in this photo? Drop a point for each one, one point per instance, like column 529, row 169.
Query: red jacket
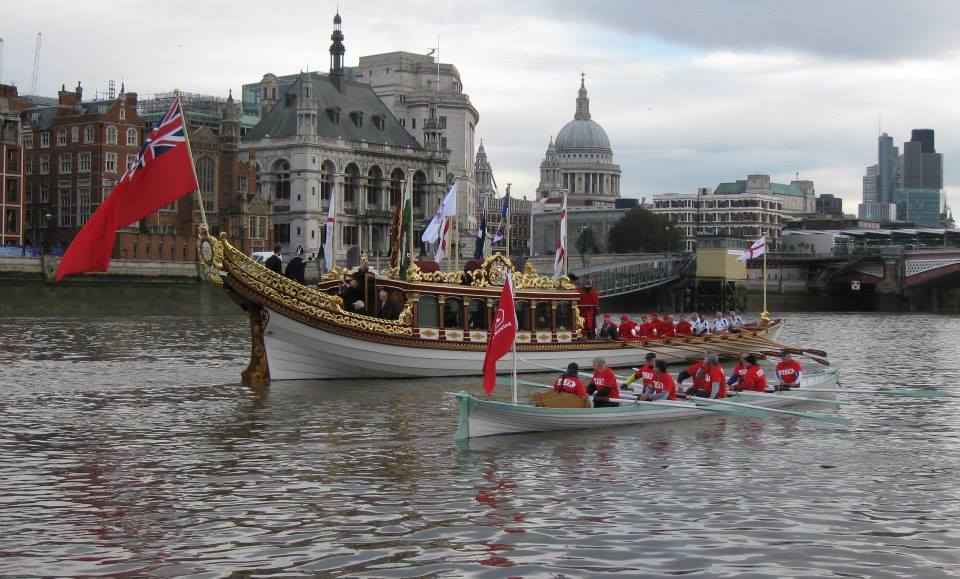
column 694, row 369
column 607, row 378
column 589, row 302
column 625, row 331
column 715, row 375
column 570, row 384
column 755, row 379
column 789, row 372
column 664, row 383
column 684, row 328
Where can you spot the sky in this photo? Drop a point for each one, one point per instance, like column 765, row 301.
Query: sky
column 691, row 92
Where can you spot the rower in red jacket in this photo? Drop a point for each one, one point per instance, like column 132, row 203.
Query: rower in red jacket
column 656, row 324
column 589, row 307
column 714, row 383
column 603, row 386
column 789, row 372
column 754, row 379
column 645, row 330
column 569, row 382
column 663, row 386
column 669, row 329
column 696, row 372
column 684, row 328
column 644, row 373
column 626, row 329
column 736, row 377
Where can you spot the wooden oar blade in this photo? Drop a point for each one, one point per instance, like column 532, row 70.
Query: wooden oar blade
column 914, row 393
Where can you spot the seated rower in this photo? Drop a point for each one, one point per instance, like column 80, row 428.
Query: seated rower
column 603, row 385
column 789, row 372
column 608, row 331
column 720, row 324
column 736, row 377
column 754, row 379
column 645, row 329
column 663, row 387
column 569, row 383
column 734, row 320
column 700, row 325
column 644, row 373
column 626, row 329
column 713, row 384
column 694, row 371
column 668, row 327
column 684, row 328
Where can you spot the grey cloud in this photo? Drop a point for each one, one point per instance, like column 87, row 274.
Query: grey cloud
column 859, row 29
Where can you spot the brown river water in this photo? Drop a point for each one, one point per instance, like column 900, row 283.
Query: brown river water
column 128, row 448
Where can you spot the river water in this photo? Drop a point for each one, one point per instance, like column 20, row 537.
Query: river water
column 128, row 448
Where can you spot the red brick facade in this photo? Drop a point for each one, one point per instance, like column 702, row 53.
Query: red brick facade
column 11, row 170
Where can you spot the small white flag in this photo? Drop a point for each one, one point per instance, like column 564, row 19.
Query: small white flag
column 561, row 256
column 758, row 248
column 446, row 209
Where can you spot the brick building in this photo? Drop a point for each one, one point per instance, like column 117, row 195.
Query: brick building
column 75, row 152
column 11, row 170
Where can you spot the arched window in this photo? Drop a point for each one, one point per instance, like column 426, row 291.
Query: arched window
column 281, row 170
column 131, row 137
column 397, row 179
column 453, row 313
column 419, row 191
column 206, row 177
column 111, row 135
column 374, row 186
column 427, row 312
column 350, row 184
column 327, row 171
column 88, row 134
column 478, row 315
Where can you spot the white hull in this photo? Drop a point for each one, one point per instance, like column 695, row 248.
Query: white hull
column 297, row 351
column 480, row 418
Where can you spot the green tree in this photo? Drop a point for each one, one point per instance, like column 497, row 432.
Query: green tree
column 587, row 244
column 642, row 231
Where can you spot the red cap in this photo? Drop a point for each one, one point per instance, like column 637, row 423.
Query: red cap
column 654, row 314
column 624, row 318
column 606, row 316
column 643, row 317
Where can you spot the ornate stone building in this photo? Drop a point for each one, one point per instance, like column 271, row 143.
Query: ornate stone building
column 326, row 135
column 580, row 162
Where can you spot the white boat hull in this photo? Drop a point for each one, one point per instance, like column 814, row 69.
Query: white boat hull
column 297, row 351
column 480, row 418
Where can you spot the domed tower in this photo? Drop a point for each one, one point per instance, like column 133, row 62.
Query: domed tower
column 579, row 161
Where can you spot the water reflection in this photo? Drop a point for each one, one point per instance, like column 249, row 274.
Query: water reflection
column 128, row 448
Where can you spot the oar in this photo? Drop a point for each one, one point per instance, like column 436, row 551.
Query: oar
column 793, row 349
column 799, row 414
column 561, row 370
column 662, row 352
column 792, row 397
column 906, row 393
column 753, row 412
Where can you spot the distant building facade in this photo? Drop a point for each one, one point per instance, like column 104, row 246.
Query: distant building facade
column 324, row 135
column 12, row 208
column 75, row 152
column 745, row 216
column 829, row 205
column 546, row 227
column 797, row 198
column 579, row 162
column 919, row 197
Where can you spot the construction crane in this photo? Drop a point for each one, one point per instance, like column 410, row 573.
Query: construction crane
column 36, row 66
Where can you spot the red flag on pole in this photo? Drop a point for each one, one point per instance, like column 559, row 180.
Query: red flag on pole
column 163, row 172
column 502, row 337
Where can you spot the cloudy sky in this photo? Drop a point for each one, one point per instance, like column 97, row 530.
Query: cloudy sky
column 691, row 92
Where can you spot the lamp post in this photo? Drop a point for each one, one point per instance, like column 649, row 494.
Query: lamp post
column 45, row 232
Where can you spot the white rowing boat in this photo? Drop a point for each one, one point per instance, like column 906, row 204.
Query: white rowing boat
column 480, row 417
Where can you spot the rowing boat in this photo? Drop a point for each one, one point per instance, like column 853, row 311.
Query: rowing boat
column 480, row 417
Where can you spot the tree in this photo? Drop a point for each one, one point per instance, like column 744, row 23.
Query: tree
column 642, row 231
column 587, row 244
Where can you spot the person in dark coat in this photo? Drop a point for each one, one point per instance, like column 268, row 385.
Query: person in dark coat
column 297, row 266
column 275, row 262
column 386, row 309
column 352, row 298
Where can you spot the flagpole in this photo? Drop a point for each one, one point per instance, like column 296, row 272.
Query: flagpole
column 566, row 237
column 506, row 200
column 193, row 166
column 410, row 225
column 456, row 232
column 765, row 315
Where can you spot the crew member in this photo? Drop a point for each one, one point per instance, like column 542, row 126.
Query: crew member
column 297, row 266
column 644, row 330
column 663, row 387
column 696, row 372
column 603, row 385
column 385, row 308
column 644, row 373
column 275, row 261
column 720, row 325
column 627, row 329
column 608, row 330
column 656, row 324
column 788, row 372
column 754, row 379
column 684, row 328
column 700, row 325
column 669, row 329
column 569, row 382
column 734, row 320
column 589, row 307
column 352, row 297
column 714, row 384
column 736, row 377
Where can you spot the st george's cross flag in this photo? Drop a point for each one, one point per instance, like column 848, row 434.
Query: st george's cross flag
column 441, row 226
column 561, row 256
column 329, row 255
column 502, row 337
column 758, row 248
column 161, row 174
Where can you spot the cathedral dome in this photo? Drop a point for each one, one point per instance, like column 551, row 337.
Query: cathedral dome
column 582, row 134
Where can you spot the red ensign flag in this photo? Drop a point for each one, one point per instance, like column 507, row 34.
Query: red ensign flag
column 502, row 337
column 162, row 173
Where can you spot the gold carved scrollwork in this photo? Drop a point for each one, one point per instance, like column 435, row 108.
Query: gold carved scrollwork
column 257, row 371
column 210, row 254
column 302, row 299
column 577, row 321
